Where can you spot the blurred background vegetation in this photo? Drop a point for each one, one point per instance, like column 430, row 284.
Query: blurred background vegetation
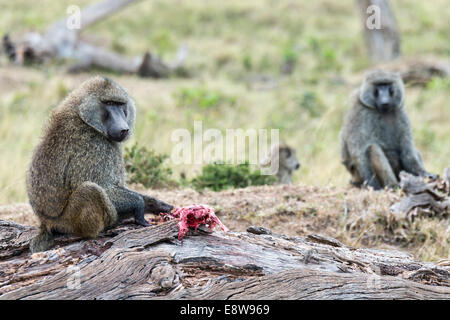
column 235, row 49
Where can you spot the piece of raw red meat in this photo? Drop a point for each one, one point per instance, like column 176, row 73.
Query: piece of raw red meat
column 192, row 217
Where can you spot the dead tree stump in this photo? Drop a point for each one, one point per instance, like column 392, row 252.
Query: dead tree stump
column 380, row 30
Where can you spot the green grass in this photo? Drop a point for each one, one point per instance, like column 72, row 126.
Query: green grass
column 230, row 42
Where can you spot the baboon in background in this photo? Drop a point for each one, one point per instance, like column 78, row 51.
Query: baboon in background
column 376, row 139
column 287, row 162
column 76, row 180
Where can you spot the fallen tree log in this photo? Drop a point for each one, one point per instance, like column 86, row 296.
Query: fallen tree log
column 131, row 262
column 62, row 42
column 419, row 71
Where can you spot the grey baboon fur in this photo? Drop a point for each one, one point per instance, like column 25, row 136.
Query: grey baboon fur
column 76, row 180
column 286, row 157
column 376, row 139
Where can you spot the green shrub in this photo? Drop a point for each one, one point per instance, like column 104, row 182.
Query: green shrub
column 290, row 56
column 310, row 102
column 438, row 83
column 326, row 55
column 202, row 98
column 247, row 62
column 147, row 168
column 217, row 176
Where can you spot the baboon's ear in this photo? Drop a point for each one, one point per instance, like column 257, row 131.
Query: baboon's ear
column 366, row 95
column 91, row 113
column 399, row 92
column 288, row 152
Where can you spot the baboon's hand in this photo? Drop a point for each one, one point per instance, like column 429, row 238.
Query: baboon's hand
column 142, row 222
column 430, row 176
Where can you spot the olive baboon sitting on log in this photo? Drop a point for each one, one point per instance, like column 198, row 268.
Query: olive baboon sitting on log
column 76, row 180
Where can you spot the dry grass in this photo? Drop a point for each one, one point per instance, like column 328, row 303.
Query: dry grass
column 359, row 218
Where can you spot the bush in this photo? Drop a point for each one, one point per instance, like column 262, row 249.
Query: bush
column 311, row 103
column 147, row 168
column 202, row 98
column 217, row 176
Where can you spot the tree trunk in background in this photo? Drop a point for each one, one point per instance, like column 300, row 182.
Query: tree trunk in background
column 380, row 30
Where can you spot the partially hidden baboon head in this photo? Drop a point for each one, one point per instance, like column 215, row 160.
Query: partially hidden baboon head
column 284, row 155
column 283, row 161
column 382, row 90
column 106, row 107
column 288, row 158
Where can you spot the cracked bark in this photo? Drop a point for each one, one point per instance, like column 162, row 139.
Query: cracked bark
column 130, row 262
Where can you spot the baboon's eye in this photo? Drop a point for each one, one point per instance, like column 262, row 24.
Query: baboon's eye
column 288, row 153
column 113, row 103
column 109, row 103
column 375, row 93
column 391, row 91
column 125, row 111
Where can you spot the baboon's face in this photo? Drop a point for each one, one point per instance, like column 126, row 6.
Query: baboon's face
column 114, row 119
column 383, row 94
column 107, row 108
column 288, row 159
column 382, row 91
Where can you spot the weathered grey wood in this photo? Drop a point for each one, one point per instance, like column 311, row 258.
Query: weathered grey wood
column 433, row 197
column 418, row 70
column 408, row 203
column 446, row 178
column 62, row 42
column 131, row 262
column 146, row 236
column 311, row 284
column 94, row 13
column 14, row 238
column 422, row 72
column 412, row 184
column 384, row 43
column 117, row 274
